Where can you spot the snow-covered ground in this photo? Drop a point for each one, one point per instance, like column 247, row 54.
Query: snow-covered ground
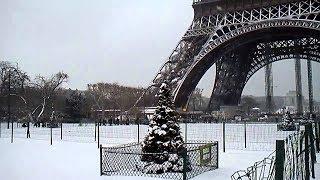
column 317, row 167
column 70, row 158
column 28, row 159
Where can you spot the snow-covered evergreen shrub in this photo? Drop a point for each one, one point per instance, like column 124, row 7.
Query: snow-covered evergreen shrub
column 164, row 137
column 307, row 119
column 287, row 123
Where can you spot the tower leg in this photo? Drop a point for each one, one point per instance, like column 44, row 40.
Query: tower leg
column 269, row 88
column 230, row 80
column 298, row 86
column 310, row 86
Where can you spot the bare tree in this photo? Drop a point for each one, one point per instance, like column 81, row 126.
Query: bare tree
column 12, row 83
column 37, row 96
column 113, row 96
column 47, row 88
column 101, row 94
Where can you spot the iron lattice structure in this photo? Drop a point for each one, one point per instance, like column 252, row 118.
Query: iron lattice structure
column 240, row 37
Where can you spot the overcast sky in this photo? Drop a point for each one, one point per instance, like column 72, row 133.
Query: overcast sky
column 109, row 41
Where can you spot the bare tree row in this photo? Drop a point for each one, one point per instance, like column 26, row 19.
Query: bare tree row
column 43, row 99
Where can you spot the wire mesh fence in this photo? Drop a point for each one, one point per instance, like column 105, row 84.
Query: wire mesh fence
column 126, row 160
column 239, row 136
column 294, row 158
column 295, row 151
column 300, row 154
column 262, row 170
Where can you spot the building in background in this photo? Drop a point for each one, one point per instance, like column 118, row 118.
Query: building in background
column 291, row 99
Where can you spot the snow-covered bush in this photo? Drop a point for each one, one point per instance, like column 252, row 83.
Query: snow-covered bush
column 307, row 119
column 287, row 123
column 163, row 146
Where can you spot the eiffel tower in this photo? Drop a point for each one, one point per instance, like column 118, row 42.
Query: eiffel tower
column 239, row 37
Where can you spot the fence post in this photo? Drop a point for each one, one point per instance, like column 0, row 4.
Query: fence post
column 98, row 134
column 186, row 131
column 224, row 136
column 313, row 148
column 61, row 131
column 306, row 152
column 50, row 134
column 100, row 160
column 28, row 130
column 280, row 156
column 138, row 131
column 217, row 154
column 11, row 131
column 319, row 130
column 317, row 136
column 245, row 134
column 309, row 129
column 184, row 156
column 95, row 131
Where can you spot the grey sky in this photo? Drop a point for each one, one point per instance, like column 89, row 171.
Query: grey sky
column 107, row 40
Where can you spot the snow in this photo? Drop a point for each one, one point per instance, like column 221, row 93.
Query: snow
column 33, row 159
column 317, row 167
column 160, row 132
column 232, row 161
column 28, row 159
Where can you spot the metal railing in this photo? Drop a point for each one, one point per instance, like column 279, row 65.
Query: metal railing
column 239, row 136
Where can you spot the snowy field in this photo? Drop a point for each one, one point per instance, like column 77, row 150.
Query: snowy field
column 76, row 156
column 28, row 159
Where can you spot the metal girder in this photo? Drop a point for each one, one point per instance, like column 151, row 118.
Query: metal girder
column 261, row 55
column 223, row 23
column 285, row 49
column 209, row 33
